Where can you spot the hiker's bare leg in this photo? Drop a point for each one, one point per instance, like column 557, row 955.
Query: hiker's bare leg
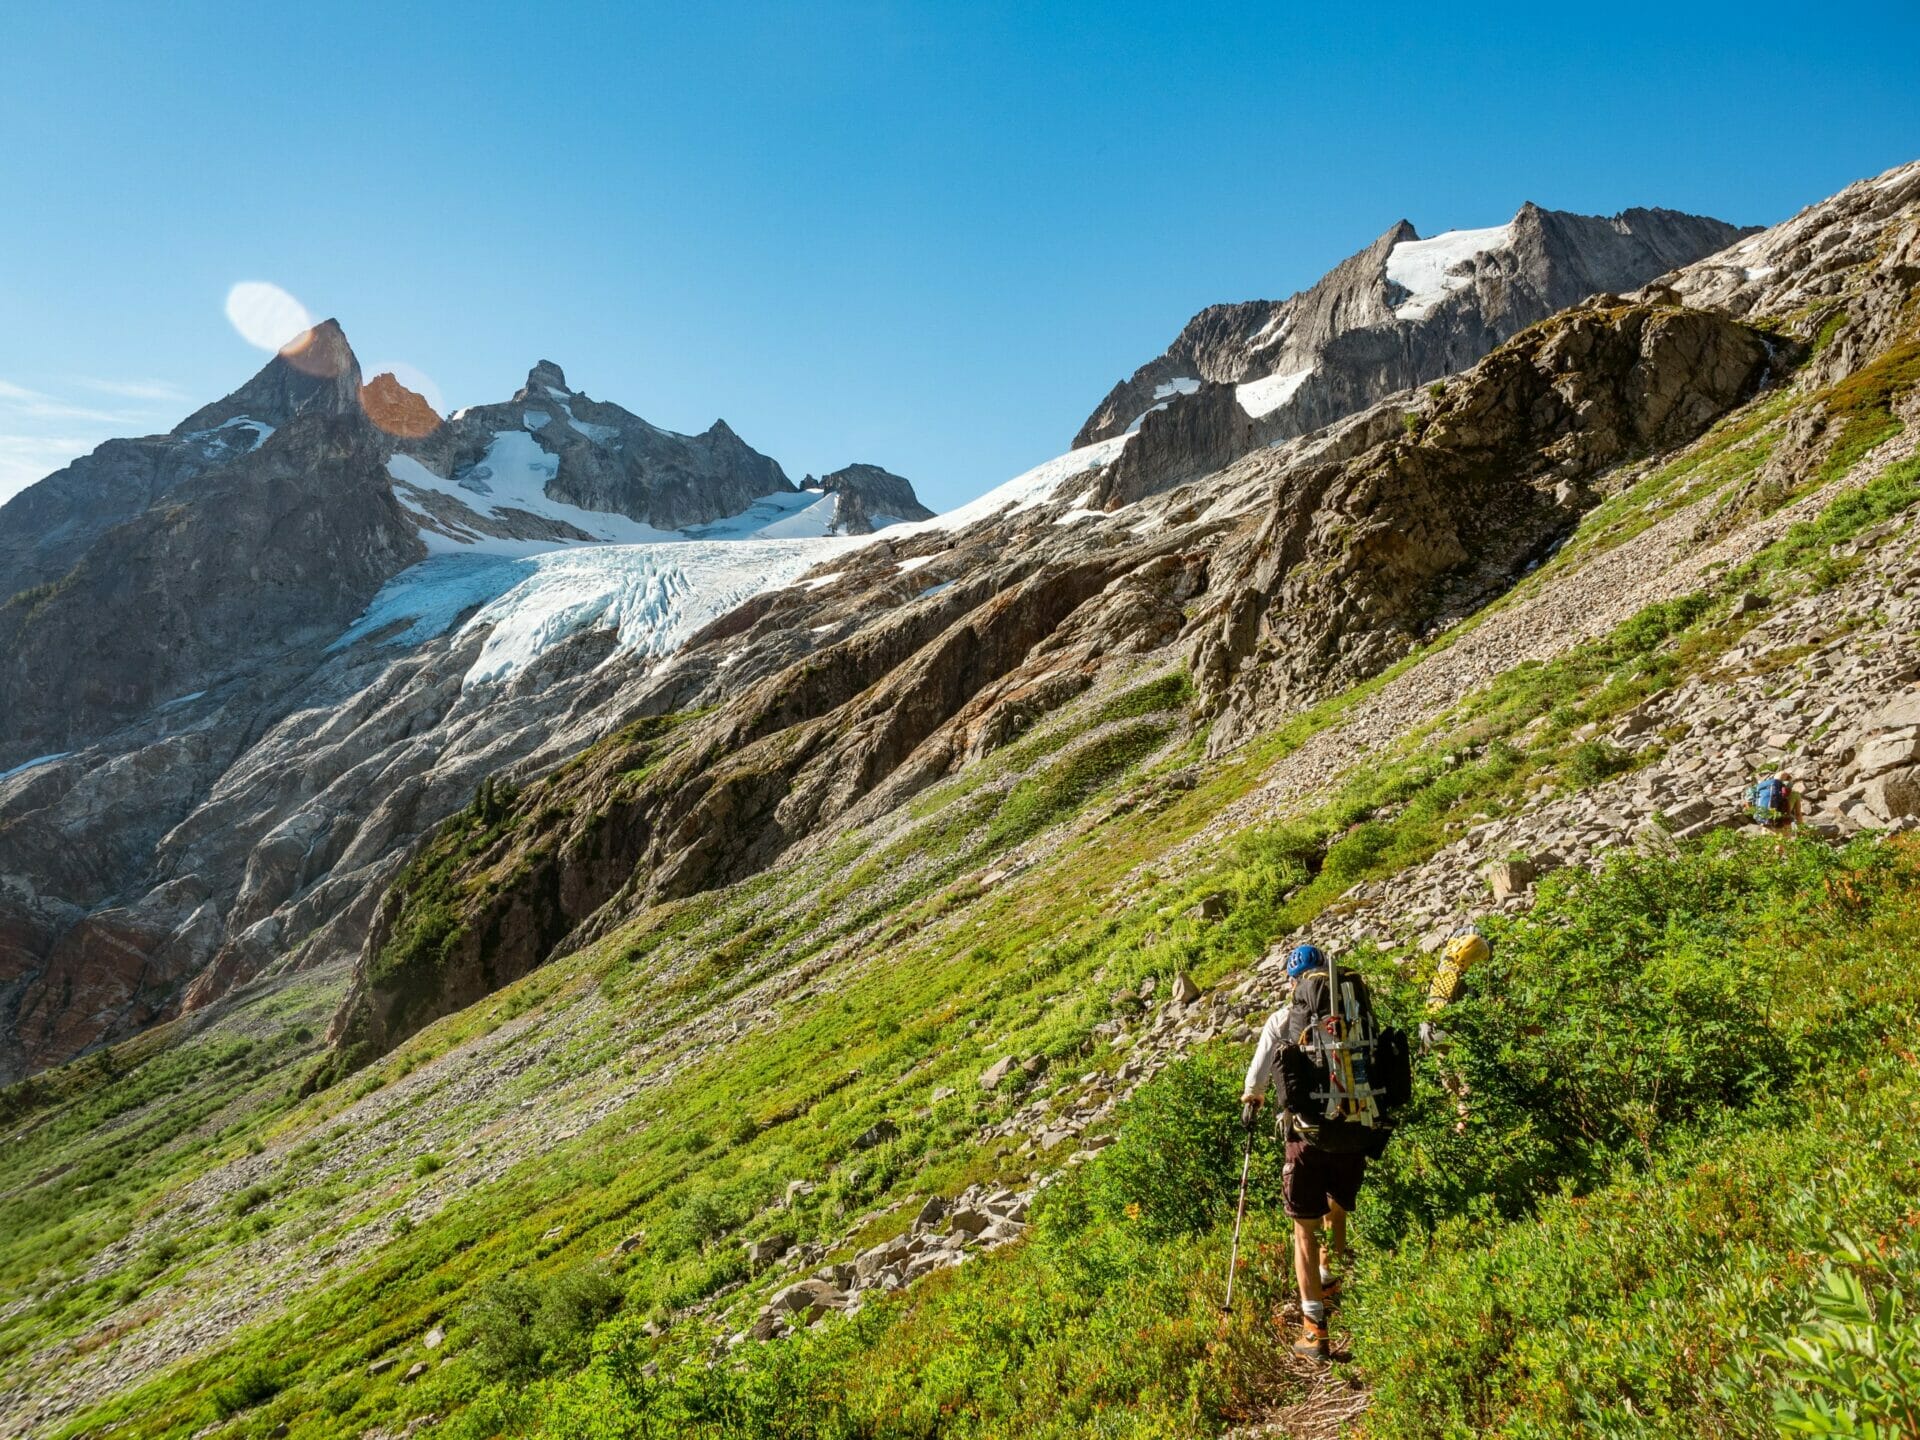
column 1306, row 1259
column 1336, row 1230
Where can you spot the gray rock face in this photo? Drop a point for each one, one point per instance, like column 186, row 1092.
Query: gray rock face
column 870, row 498
column 1359, row 335
column 277, row 552
column 316, row 374
column 47, row 527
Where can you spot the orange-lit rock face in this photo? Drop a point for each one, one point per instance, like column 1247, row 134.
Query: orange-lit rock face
column 396, row 409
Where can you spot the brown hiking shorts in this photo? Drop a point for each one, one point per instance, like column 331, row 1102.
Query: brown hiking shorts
column 1313, row 1178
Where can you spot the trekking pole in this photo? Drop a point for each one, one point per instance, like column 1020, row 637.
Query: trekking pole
column 1239, row 1214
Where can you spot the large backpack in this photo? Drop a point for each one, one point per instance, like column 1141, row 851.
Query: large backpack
column 1465, row 949
column 1346, row 1076
column 1772, row 800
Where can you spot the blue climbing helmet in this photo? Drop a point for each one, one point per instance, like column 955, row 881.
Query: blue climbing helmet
column 1303, row 959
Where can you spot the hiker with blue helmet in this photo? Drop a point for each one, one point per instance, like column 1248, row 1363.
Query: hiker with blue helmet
column 1321, row 1183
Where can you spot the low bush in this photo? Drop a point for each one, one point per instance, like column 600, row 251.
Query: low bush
column 519, row 1325
column 253, row 1385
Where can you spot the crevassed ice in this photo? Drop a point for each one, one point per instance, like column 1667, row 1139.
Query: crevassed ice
column 1426, row 267
column 653, row 596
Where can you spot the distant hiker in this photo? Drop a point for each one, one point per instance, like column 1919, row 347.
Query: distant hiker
column 1322, row 1045
column 1775, row 804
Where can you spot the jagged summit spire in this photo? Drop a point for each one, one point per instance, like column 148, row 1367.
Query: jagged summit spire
column 316, row 372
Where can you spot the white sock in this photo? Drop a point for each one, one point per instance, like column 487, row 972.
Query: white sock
column 1314, row 1310
column 1326, row 1277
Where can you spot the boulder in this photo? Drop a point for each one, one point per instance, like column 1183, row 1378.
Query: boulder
column 991, row 1077
column 933, row 1212
column 1894, row 795
column 803, row 1295
column 870, row 1263
column 1185, row 992
column 1509, row 878
column 876, row 1134
column 1692, row 813
column 1211, row 907
column 769, row 1326
column 764, row 1252
column 434, row 1338
column 1886, row 752
column 970, row 1222
column 1898, row 713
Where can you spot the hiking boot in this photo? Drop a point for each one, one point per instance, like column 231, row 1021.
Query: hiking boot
column 1312, row 1344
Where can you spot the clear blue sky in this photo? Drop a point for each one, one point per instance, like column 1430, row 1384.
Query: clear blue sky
column 926, row 236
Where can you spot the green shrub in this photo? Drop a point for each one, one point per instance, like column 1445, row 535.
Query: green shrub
column 1174, row 1166
column 518, row 1326
column 252, row 1385
column 251, row 1198
column 426, row 1165
column 1168, row 692
column 1592, row 761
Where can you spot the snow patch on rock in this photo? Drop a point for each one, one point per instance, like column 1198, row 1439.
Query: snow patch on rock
column 1429, row 269
column 1264, row 396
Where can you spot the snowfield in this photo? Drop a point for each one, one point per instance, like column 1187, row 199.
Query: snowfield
column 511, row 476
column 1025, row 491
column 1427, row 268
column 1263, row 397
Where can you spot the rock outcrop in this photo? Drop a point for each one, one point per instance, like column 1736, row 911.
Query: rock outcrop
column 608, row 459
column 1359, row 558
column 870, row 498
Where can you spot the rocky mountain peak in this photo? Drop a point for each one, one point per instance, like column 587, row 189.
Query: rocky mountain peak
column 1401, row 313
column 315, row 373
column 870, row 497
column 543, row 377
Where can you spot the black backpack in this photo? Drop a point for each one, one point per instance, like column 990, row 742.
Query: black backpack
column 1342, row 1082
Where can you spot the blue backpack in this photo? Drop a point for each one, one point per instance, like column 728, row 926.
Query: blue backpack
column 1771, row 801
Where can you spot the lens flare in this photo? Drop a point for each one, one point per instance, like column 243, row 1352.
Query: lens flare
column 265, row 315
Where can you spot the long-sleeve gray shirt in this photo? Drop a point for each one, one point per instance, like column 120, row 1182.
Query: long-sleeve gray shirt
column 1283, row 1027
